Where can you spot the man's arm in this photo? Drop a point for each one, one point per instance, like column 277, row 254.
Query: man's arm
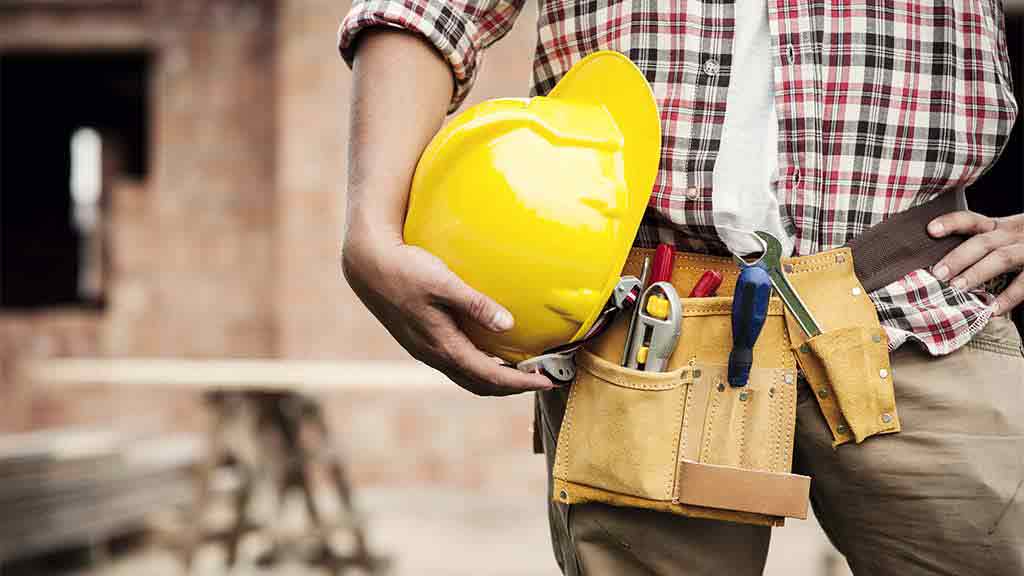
column 401, row 91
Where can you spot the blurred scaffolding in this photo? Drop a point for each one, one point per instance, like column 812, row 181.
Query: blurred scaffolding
column 171, row 204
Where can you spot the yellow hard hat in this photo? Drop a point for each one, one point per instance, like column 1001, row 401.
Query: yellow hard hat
column 536, row 202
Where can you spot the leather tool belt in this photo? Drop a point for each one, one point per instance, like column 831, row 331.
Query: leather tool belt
column 686, row 442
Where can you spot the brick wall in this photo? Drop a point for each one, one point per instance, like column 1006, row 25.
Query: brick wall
column 319, row 316
column 192, row 253
column 230, row 245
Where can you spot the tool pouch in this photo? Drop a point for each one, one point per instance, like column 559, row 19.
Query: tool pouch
column 847, row 365
column 684, row 441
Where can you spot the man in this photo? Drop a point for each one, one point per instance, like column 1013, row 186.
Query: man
column 814, row 120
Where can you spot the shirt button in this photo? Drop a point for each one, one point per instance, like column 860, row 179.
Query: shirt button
column 692, row 192
column 790, row 54
column 796, row 175
column 711, row 67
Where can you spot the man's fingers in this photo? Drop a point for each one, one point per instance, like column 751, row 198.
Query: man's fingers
column 996, row 262
column 962, row 222
column 475, row 304
column 1010, row 298
column 482, row 369
column 969, row 252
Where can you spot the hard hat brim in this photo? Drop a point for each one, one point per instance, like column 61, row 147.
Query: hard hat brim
column 612, row 80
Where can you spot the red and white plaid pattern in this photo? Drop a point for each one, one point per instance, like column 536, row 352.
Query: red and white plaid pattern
column 882, row 106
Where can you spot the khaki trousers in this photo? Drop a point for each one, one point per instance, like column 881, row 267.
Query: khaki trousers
column 944, row 496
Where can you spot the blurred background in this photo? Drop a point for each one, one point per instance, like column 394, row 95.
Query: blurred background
column 186, row 383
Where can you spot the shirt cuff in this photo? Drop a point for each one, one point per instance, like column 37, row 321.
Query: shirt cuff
column 450, row 31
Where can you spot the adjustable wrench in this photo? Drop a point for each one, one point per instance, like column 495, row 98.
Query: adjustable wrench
column 771, row 260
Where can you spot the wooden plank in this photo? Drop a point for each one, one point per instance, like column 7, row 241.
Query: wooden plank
column 83, row 496
column 265, row 375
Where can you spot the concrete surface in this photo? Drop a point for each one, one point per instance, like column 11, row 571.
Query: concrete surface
column 442, row 532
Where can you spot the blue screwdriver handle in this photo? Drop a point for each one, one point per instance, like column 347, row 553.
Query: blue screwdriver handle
column 749, row 310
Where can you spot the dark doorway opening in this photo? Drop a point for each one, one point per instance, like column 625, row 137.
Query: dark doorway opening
column 51, row 232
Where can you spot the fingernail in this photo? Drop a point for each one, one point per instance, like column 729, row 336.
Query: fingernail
column 959, row 283
column 502, row 320
column 936, row 228
column 941, row 271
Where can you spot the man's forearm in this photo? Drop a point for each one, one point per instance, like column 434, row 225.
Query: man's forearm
column 400, row 94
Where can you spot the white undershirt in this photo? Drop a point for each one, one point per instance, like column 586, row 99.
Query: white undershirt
column 744, row 179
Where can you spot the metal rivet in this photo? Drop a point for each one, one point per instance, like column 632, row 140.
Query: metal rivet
column 823, row 393
column 841, row 429
column 788, row 268
column 876, row 338
column 883, row 373
column 697, row 373
column 886, row 417
column 721, row 387
column 788, row 378
column 855, row 291
column 563, row 495
column 744, row 396
column 711, row 67
column 805, row 349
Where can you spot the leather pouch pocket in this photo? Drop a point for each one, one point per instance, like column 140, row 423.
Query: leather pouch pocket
column 847, row 365
column 855, row 361
column 749, row 427
column 621, row 429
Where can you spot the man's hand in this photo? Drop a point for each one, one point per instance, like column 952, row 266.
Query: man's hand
column 414, row 295
column 995, row 246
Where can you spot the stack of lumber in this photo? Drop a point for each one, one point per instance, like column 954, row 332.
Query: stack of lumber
column 76, row 487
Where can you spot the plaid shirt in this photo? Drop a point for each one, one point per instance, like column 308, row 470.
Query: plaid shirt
column 881, row 105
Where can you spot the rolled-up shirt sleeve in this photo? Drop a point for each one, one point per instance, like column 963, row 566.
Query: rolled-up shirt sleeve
column 460, row 30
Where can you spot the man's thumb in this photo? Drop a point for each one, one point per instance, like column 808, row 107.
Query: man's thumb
column 480, row 308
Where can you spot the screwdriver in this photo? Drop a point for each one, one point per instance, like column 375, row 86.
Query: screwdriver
column 708, row 284
column 662, row 269
column 644, row 277
column 749, row 310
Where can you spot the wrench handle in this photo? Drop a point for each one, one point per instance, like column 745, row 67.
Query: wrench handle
column 792, row 301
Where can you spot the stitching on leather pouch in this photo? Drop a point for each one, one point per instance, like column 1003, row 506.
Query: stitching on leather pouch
column 821, row 261
column 684, row 435
column 744, row 453
column 670, row 479
column 708, row 429
column 622, row 382
column 787, row 448
column 561, row 463
column 773, row 417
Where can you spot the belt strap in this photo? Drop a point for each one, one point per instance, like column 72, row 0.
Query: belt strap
column 899, row 245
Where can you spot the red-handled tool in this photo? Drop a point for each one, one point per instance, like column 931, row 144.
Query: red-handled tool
column 708, row 284
column 662, row 269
